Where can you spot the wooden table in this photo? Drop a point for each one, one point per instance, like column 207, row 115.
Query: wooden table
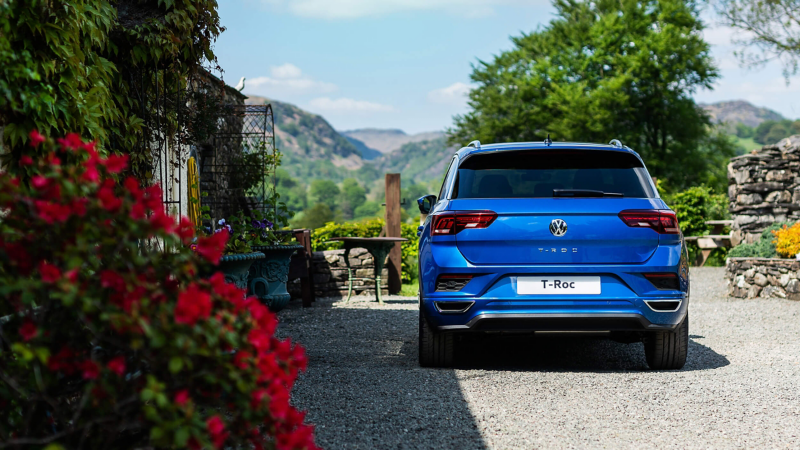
column 709, row 242
column 379, row 248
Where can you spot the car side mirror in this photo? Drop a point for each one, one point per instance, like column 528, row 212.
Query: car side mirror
column 426, row 203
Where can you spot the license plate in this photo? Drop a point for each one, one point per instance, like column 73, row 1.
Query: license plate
column 558, row 285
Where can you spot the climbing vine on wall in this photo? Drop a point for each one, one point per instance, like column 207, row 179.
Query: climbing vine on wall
column 70, row 65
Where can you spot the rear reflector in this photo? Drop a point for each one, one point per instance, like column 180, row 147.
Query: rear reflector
column 664, row 281
column 663, row 222
column 452, row 222
column 452, row 282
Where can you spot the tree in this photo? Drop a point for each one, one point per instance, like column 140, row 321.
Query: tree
column 315, row 217
column 772, row 27
column 370, row 208
column 292, row 192
column 601, row 70
column 325, row 192
column 352, row 196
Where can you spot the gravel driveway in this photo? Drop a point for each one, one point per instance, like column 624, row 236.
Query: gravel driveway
column 739, row 388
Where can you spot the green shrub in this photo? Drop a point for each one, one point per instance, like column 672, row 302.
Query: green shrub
column 694, row 206
column 763, row 248
column 320, row 240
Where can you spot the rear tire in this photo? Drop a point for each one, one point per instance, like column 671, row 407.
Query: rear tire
column 667, row 350
column 435, row 349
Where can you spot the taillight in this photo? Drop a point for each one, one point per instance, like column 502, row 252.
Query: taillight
column 664, row 281
column 451, row 222
column 663, row 222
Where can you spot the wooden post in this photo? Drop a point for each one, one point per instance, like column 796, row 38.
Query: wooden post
column 393, row 229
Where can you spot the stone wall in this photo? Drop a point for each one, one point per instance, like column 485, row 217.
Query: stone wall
column 764, row 188
column 330, row 274
column 763, row 277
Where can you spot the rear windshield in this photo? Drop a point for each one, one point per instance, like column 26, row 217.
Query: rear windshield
column 544, row 173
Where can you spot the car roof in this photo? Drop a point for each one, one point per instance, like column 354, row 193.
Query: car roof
column 464, row 151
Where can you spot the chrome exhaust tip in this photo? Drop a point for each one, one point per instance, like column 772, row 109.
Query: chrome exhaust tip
column 663, row 305
column 456, row 307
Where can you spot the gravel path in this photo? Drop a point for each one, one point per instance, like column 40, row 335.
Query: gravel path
column 739, row 388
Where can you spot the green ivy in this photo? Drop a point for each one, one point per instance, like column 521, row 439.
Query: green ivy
column 65, row 66
column 320, row 240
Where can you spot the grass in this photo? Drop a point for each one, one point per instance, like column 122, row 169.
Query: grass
column 747, row 143
column 409, row 290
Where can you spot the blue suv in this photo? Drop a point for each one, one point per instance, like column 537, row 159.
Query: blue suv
column 527, row 237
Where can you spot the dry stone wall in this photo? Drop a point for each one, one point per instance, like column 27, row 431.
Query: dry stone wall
column 763, row 277
column 764, row 188
column 330, row 274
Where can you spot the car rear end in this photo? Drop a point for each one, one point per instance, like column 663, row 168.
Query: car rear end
column 556, row 238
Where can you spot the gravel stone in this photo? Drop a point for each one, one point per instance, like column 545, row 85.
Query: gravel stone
column 364, row 388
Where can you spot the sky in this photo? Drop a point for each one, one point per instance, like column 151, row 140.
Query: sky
column 406, row 64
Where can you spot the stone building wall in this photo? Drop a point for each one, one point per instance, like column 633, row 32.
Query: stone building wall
column 763, row 277
column 330, row 274
column 764, row 188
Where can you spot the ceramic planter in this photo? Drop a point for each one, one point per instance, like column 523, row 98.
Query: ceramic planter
column 268, row 276
column 236, row 267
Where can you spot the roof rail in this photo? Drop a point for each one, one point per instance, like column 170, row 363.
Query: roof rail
column 616, row 143
column 476, row 143
column 547, row 140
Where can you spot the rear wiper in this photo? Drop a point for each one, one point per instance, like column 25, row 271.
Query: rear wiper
column 584, row 193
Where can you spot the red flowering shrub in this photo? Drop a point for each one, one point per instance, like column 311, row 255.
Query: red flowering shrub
column 108, row 341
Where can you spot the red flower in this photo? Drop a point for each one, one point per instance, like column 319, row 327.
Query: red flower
column 28, row 330
column 89, row 369
column 91, row 174
column 115, row 164
column 162, row 221
column 39, row 182
column 240, row 359
column 137, row 211
column 113, row 280
column 299, row 357
column 216, row 430
column 72, row 141
column 49, row 272
column 132, row 185
column 36, row 138
column 211, row 247
column 25, row 160
column 52, row 212
column 78, row 206
column 63, row 361
column 152, row 198
column 259, row 339
column 258, row 397
column 185, row 230
column 181, row 397
column 107, row 198
column 193, row 304
column 72, row 275
column 117, row 365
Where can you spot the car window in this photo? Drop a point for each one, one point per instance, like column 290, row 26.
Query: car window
column 538, row 173
column 447, row 176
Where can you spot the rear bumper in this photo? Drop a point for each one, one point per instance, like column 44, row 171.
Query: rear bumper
column 560, row 322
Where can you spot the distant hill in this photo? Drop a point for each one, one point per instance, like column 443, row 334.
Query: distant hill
column 312, row 148
column 418, row 162
column 739, row 111
column 366, row 152
column 387, row 141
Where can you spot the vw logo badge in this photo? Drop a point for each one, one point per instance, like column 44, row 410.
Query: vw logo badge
column 558, row 227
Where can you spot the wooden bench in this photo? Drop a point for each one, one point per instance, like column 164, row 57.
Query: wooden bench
column 709, row 242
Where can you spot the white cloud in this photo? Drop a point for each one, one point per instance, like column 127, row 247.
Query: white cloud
column 455, row 94
column 326, row 104
column 287, row 79
column 351, row 9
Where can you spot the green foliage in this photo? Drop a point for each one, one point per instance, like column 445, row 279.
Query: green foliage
column 600, row 70
column 68, row 66
column 763, row 248
column 325, row 192
column 695, row 206
column 109, row 341
column 370, row 208
column 352, row 196
column 320, row 240
column 772, row 131
column 768, row 31
column 743, row 131
column 315, row 217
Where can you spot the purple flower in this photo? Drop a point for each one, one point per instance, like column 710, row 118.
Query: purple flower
column 268, row 224
column 257, row 224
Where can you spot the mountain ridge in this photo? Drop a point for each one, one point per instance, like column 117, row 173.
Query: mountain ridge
column 733, row 112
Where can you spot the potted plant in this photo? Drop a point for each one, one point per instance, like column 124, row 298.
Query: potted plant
column 238, row 255
column 268, row 276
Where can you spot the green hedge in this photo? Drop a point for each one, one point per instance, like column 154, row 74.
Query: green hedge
column 320, row 240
